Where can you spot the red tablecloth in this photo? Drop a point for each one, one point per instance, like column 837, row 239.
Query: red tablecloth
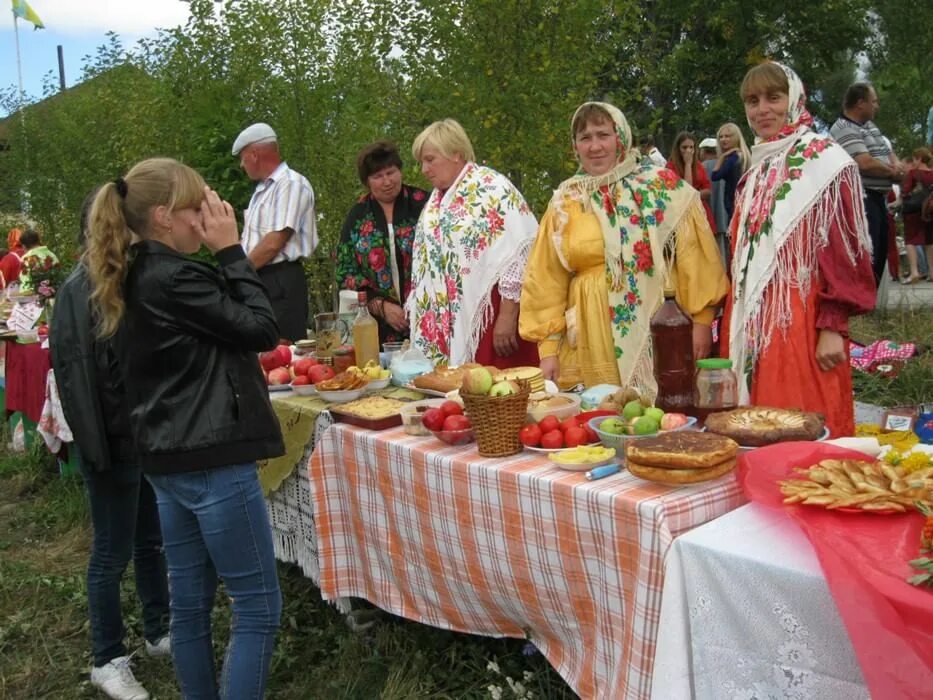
column 26, row 369
column 864, row 557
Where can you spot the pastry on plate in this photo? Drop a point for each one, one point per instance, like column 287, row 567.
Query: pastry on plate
column 754, row 426
column 681, row 457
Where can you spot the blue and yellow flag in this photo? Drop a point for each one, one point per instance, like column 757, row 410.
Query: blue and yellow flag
column 22, row 9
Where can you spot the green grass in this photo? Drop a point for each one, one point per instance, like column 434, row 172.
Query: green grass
column 44, row 635
column 45, row 639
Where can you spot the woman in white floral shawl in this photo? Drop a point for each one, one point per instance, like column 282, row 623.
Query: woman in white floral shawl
column 801, row 262
column 468, row 258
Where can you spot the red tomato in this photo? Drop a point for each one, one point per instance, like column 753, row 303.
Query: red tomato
column 456, row 422
column 433, row 419
column 553, row 439
column 568, row 424
column 530, row 435
column 451, row 408
column 575, row 436
column 549, row 423
column 591, row 435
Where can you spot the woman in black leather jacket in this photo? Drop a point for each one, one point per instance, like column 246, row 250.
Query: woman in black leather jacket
column 199, row 407
column 124, row 516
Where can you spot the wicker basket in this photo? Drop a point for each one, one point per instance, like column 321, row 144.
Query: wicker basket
column 497, row 421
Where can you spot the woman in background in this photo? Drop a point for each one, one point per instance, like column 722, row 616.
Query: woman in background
column 375, row 247
column 917, row 232
column 734, row 159
column 685, row 162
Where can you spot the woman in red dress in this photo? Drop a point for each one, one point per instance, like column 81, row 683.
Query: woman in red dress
column 801, row 258
column 685, row 163
column 918, row 232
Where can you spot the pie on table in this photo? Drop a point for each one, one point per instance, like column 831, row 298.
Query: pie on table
column 754, row 426
column 681, row 457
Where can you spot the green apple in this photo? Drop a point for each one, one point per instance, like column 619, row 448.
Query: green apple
column 645, row 425
column 613, row 426
column 655, row 413
column 505, row 388
column 476, row 381
column 633, row 409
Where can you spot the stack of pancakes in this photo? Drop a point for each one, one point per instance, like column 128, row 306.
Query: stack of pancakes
column 681, row 457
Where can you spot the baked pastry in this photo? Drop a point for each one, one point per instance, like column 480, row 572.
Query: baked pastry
column 443, row 378
column 681, row 449
column 680, row 476
column 372, row 407
column 754, row 426
column 681, row 457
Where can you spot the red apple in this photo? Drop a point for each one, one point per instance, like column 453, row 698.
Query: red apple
column 433, row 419
column 285, row 353
column 279, row 375
column 451, row 408
column 303, row 365
column 319, row 373
column 672, row 421
column 301, row 380
column 270, row 360
column 530, row 435
column 591, row 435
column 553, row 439
column 456, row 421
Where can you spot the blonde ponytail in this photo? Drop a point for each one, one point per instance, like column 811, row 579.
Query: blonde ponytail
column 120, row 210
column 109, row 240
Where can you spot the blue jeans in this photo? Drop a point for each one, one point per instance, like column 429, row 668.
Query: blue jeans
column 125, row 521
column 215, row 523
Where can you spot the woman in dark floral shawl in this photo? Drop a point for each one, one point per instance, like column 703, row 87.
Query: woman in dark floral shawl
column 374, row 253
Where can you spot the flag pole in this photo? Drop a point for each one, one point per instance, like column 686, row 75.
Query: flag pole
column 19, row 63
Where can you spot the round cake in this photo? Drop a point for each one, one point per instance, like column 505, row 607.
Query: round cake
column 681, row 457
column 754, row 426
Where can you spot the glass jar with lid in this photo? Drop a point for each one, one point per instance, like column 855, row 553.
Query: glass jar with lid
column 717, row 388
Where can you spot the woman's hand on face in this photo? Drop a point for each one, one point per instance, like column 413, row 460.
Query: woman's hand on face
column 702, row 341
column 394, row 315
column 830, row 349
column 219, row 223
column 550, row 367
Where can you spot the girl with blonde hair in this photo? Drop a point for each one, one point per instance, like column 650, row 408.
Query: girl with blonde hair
column 187, row 335
column 732, row 162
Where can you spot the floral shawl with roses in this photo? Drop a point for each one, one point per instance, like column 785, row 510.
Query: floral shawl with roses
column 639, row 207
column 366, row 259
column 466, row 238
column 785, row 206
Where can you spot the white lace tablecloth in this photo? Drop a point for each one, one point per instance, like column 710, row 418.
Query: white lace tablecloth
column 746, row 615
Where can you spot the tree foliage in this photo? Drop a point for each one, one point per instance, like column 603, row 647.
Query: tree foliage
column 333, row 75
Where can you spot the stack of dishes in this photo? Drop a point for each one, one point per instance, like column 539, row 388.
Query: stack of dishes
column 532, row 375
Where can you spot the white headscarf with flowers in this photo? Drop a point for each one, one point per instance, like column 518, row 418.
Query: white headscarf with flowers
column 639, row 206
column 784, row 208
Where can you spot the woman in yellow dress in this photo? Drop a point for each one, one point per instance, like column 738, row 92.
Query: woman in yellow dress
column 613, row 236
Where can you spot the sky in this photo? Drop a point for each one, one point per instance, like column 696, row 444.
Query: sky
column 79, row 26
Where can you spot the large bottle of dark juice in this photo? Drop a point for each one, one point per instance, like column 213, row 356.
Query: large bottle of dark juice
column 672, row 338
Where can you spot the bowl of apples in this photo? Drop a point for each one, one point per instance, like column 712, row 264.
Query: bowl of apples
column 448, row 424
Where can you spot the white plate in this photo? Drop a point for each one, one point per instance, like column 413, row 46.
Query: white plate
column 280, row 387
column 544, row 450
column 823, row 436
column 584, row 467
column 426, row 392
column 304, row 389
column 340, row 396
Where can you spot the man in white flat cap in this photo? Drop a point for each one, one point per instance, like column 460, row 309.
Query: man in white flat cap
column 708, row 152
column 279, row 227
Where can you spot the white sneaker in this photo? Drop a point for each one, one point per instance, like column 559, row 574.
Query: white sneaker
column 117, row 681
column 163, row 647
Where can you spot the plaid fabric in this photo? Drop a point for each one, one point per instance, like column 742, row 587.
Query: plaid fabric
column 505, row 547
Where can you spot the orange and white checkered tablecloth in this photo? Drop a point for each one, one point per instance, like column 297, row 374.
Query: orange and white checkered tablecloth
column 505, row 547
